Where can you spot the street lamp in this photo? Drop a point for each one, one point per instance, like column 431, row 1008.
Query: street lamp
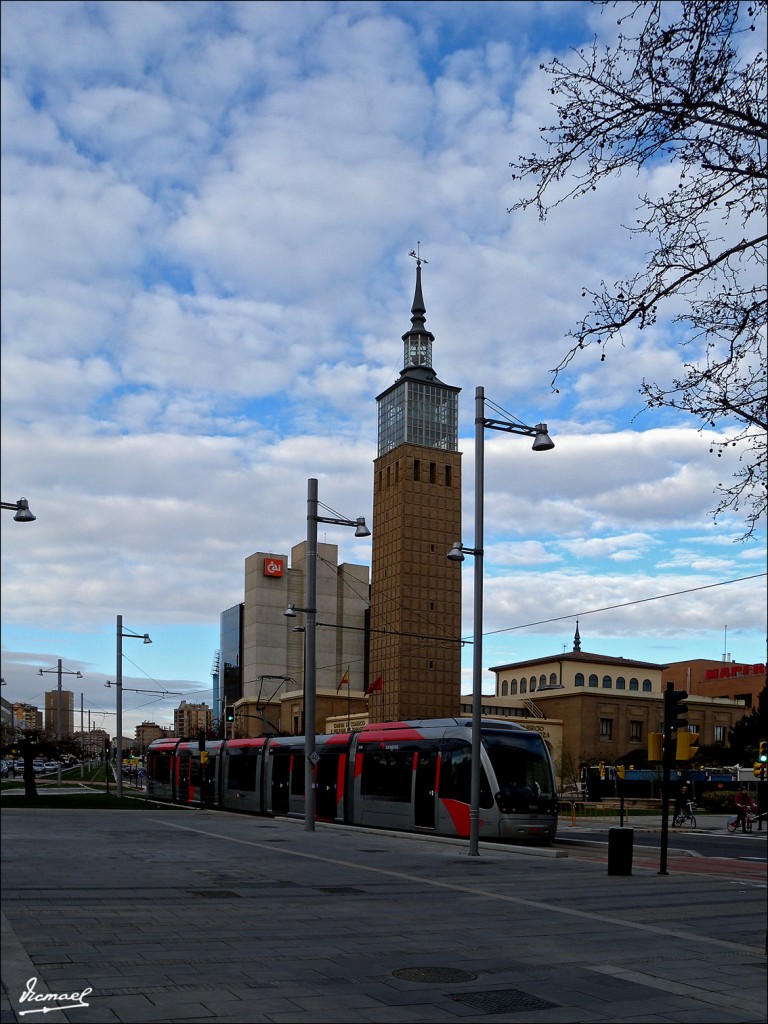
column 541, row 443
column 119, row 682
column 21, row 508
column 311, row 756
column 59, row 672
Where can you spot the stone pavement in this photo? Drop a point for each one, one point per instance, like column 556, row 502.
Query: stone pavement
column 172, row 915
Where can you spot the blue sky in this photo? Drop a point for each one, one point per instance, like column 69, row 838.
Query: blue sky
column 207, row 215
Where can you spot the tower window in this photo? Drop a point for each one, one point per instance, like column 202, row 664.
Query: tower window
column 417, row 469
column 432, row 472
column 448, row 477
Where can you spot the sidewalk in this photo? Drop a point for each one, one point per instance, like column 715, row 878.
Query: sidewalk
column 176, row 915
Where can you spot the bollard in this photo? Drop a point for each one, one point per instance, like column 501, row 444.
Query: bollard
column 620, row 851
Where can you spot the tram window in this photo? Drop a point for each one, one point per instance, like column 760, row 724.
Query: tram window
column 195, row 775
column 242, row 772
column 161, row 767
column 297, row 775
column 456, row 777
column 387, row 774
column 522, row 771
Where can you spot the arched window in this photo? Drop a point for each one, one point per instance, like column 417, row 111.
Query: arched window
column 523, row 686
column 593, row 680
column 647, row 688
column 542, row 682
column 504, row 688
column 607, row 682
column 513, row 688
column 621, row 683
column 553, row 679
column 579, row 679
column 533, row 683
column 633, row 684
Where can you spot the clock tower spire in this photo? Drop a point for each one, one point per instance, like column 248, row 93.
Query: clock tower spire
column 415, row 591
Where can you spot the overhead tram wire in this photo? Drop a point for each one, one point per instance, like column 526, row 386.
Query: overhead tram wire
column 623, row 604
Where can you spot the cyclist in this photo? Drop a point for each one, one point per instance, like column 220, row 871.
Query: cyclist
column 681, row 801
column 744, row 805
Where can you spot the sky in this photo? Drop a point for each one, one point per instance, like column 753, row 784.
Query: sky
column 207, row 216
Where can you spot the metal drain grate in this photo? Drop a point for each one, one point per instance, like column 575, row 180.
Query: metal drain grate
column 510, row 1000
column 437, row 975
column 340, row 890
column 214, row 894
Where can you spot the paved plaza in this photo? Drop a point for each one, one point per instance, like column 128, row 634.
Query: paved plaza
column 171, row 915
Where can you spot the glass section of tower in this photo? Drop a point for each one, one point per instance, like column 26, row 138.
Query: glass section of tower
column 417, row 413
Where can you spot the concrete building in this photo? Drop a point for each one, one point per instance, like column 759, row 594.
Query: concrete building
column 93, row 742
column 267, row 664
column 67, row 712
column 146, row 733
column 188, row 720
column 415, row 590
column 26, row 716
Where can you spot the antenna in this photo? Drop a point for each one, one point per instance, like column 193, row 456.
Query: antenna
column 416, row 253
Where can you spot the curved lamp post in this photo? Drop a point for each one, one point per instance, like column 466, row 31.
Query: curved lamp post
column 310, row 642
column 59, row 672
column 21, row 508
column 541, row 443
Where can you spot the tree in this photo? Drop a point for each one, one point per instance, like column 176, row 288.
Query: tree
column 745, row 735
column 686, row 88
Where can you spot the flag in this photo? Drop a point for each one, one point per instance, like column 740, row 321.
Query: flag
column 344, row 681
column 377, row 684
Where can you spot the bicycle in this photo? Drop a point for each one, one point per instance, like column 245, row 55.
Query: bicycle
column 680, row 819
column 734, row 823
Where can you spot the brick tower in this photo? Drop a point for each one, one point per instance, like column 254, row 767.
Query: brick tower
column 415, row 660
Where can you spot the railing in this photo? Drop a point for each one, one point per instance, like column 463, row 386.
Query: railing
column 581, row 809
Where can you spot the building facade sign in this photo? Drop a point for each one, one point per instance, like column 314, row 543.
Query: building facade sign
column 731, row 671
column 274, row 566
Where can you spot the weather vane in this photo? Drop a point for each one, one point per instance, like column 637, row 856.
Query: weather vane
column 416, row 253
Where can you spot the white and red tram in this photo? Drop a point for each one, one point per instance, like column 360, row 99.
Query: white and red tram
column 409, row 776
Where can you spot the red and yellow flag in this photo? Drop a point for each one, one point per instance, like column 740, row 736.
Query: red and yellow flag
column 344, row 681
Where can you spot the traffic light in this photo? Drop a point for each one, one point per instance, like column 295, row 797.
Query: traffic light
column 620, row 771
column 758, row 770
column 762, row 757
column 229, row 713
column 655, row 746
column 675, row 708
column 686, row 745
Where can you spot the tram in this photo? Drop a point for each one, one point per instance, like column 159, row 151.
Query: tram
column 407, row 776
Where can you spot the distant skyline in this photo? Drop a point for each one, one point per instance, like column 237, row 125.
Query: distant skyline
column 208, row 210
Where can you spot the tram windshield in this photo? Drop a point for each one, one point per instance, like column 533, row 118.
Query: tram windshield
column 523, row 772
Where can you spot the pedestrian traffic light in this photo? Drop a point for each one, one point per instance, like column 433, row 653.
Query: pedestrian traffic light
column 655, row 746
column 675, row 708
column 762, row 757
column 686, row 745
column 229, row 713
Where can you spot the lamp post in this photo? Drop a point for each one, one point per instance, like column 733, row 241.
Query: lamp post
column 59, row 672
column 119, row 682
column 21, row 508
column 541, row 443
column 310, row 641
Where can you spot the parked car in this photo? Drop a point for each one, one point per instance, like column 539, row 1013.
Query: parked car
column 51, row 766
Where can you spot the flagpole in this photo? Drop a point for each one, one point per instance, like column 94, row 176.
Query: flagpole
column 349, row 702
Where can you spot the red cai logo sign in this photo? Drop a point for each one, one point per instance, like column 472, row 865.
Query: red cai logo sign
column 274, row 566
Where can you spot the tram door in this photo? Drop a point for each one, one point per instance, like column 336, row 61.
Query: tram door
column 326, row 786
column 281, row 772
column 424, row 797
column 184, row 760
